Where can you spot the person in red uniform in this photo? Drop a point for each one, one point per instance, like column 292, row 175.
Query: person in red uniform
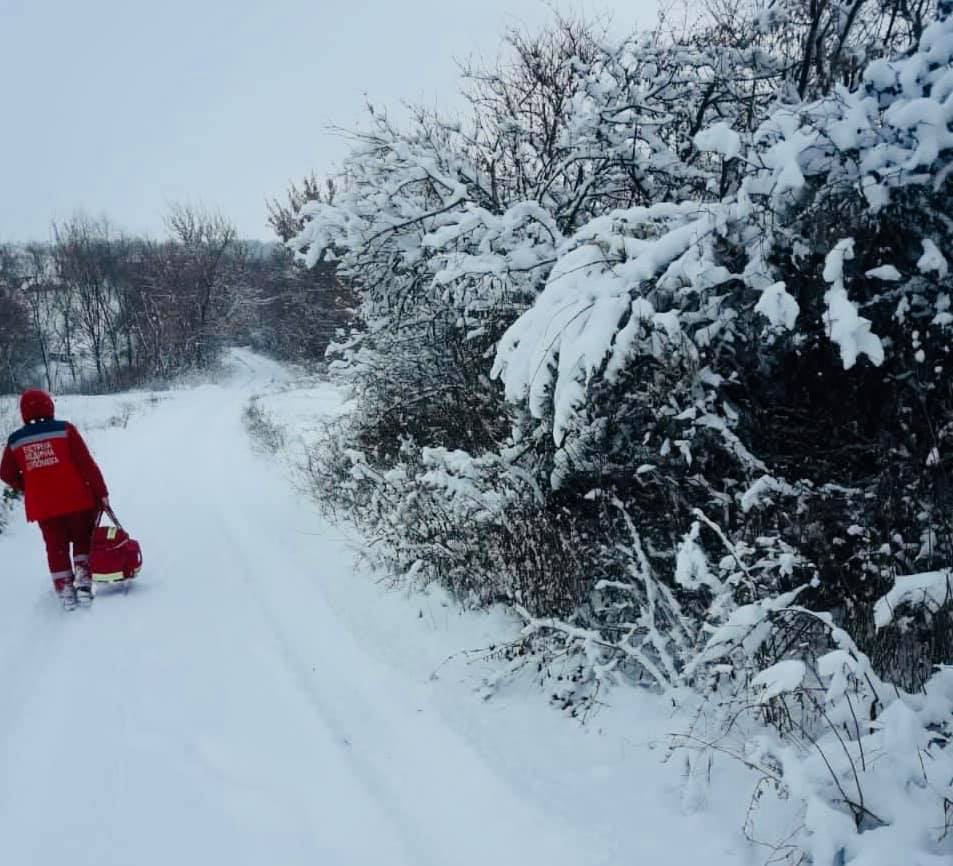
column 49, row 462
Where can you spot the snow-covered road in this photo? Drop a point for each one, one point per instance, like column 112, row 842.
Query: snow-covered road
column 238, row 707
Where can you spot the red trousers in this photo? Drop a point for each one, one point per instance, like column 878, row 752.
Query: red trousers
column 61, row 533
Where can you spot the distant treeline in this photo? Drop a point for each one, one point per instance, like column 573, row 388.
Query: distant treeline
column 102, row 310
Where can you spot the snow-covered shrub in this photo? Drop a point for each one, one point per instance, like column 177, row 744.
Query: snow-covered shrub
column 685, row 403
column 265, row 432
column 7, row 499
column 809, row 345
column 479, row 526
column 868, row 767
column 9, row 421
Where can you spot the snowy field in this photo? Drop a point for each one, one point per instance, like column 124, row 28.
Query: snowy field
column 254, row 699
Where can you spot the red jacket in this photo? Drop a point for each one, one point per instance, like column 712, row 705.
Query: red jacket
column 49, row 461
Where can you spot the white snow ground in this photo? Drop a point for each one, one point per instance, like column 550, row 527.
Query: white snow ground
column 254, row 700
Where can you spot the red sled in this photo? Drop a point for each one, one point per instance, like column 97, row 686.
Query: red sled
column 114, row 556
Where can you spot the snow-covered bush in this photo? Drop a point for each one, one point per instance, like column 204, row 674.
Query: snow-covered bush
column 789, row 339
column 479, row 526
column 265, row 432
column 867, row 766
column 676, row 387
column 9, row 421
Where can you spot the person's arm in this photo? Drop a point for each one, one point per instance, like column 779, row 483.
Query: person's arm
column 10, row 473
column 86, row 465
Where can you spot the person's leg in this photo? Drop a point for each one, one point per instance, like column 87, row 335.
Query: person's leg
column 56, row 537
column 81, row 535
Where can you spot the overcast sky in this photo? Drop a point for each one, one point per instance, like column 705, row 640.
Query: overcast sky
column 120, row 107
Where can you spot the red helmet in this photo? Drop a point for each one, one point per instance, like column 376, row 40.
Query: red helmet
column 35, row 404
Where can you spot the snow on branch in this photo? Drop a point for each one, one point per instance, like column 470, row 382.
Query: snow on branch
column 847, row 328
column 933, row 588
column 596, row 309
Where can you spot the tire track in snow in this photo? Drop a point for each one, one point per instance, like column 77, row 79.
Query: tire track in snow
column 307, row 685
column 32, row 644
column 239, row 557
